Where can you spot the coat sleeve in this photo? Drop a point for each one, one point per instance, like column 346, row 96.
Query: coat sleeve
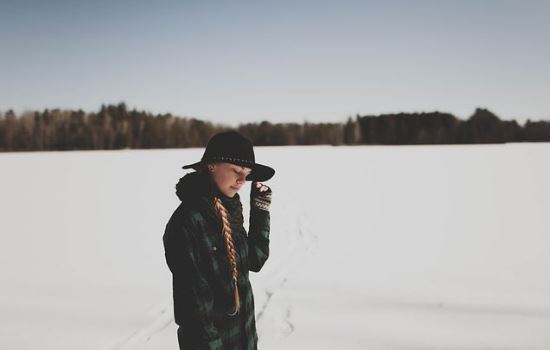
column 258, row 239
column 193, row 299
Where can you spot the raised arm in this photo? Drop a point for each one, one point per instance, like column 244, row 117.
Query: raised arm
column 259, row 226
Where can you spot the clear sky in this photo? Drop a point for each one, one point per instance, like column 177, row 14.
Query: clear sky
column 236, row 61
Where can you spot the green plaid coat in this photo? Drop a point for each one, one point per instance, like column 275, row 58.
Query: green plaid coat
column 196, row 255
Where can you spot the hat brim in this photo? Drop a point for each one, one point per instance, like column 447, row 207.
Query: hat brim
column 259, row 172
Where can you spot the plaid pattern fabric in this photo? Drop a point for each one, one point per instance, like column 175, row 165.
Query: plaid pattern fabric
column 202, row 289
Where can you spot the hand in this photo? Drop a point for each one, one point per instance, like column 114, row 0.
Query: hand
column 260, row 196
column 261, row 187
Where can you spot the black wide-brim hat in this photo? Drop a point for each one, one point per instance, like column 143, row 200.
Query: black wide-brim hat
column 232, row 147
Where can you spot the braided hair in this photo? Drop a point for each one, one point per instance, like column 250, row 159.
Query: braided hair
column 227, row 233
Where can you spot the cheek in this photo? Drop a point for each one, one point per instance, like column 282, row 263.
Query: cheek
column 228, row 180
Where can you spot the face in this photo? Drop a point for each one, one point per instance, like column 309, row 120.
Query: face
column 229, row 177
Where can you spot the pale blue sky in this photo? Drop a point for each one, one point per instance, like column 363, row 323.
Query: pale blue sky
column 236, row 61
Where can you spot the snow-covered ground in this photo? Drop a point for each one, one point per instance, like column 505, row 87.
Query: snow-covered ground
column 420, row 247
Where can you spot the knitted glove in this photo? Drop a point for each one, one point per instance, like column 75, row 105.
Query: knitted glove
column 260, row 200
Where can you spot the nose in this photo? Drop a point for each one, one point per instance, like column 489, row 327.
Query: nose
column 241, row 179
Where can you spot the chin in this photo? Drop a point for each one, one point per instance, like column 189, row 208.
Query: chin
column 231, row 193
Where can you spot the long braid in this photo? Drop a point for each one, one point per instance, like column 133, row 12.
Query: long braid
column 227, row 233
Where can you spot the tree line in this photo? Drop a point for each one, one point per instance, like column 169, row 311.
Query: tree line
column 116, row 127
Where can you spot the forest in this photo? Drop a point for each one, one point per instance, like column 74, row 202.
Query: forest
column 117, row 127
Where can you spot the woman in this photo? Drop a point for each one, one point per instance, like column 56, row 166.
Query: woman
column 209, row 251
